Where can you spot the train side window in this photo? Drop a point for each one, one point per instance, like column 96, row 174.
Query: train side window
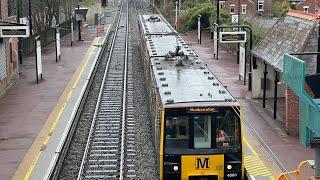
column 202, row 132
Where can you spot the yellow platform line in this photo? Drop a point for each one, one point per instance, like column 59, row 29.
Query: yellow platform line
column 254, row 164
column 63, row 101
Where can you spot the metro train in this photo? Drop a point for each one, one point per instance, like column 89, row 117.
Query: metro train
column 196, row 121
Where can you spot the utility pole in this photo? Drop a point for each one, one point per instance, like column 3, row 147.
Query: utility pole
column 238, row 50
column 176, row 22
column 18, row 5
column 79, row 26
column 179, row 7
column 30, row 16
column 318, row 56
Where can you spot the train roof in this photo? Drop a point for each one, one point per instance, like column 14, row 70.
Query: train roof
column 160, row 45
column 190, row 83
column 155, row 24
column 182, row 79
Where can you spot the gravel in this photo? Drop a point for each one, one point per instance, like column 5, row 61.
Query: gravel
column 145, row 160
column 146, row 157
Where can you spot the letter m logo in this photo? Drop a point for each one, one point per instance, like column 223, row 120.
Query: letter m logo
column 202, row 163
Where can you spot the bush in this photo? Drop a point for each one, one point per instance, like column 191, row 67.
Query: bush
column 281, row 8
column 189, row 17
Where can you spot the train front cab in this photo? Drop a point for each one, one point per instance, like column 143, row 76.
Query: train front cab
column 201, row 143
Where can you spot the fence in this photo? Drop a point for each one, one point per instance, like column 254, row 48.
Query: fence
column 304, row 171
column 47, row 37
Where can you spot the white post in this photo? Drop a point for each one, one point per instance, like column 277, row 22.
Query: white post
column 179, row 7
column 199, row 28
column 72, row 36
column 176, row 23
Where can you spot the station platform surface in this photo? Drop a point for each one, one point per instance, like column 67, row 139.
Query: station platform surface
column 30, row 111
column 269, row 151
column 26, row 106
column 44, row 152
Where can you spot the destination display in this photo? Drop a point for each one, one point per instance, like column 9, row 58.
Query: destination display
column 233, row 37
column 200, row 110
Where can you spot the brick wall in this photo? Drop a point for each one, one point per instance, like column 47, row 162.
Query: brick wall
column 251, row 8
column 292, row 110
column 314, row 7
column 9, row 52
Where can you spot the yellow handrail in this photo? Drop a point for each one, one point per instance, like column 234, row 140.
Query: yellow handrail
column 296, row 173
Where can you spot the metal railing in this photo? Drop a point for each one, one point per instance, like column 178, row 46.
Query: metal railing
column 47, row 37
column 304, row 171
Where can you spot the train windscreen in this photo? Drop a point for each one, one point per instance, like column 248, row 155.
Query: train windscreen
column 185, row 130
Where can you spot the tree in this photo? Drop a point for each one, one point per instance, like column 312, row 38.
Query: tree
column 281, row 8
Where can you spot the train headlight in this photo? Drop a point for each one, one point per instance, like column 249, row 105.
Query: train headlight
column 229, row 167
column 175, row 168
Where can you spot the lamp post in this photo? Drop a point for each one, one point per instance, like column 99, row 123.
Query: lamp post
column 176, row 21
column 18, row 5
column 79, row 26
column 30, row 16
column 179, row 7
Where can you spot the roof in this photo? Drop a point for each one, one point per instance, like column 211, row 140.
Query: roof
column 289, row 35
column 155, row 24
column 192, row 82
column 181, row 79
column 160, row 45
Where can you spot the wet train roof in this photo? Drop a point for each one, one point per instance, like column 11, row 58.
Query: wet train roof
column 155, row 24
column 192, row 82
column 161, row 37
column 160, row 45
column 189, row 84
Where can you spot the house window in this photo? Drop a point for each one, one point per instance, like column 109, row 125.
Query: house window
column 306, row 9
column 243, row 9
column 11, row 8
column 260, row 6
column 221, row 3
column 232, row 9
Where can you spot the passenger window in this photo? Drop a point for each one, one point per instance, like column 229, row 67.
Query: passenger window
column 177, row 132
column 228, row 128
column 202, row 132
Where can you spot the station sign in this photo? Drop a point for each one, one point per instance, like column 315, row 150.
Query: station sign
column 81, row 13
column 235, row 19
column 233, row 37
column 14, row 31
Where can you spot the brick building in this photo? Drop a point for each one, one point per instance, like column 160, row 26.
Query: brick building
column 9, row 67
column 309, row 6
column 248, row 8
column 296, row 32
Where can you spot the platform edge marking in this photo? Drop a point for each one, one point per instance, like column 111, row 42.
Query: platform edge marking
column 62, row 102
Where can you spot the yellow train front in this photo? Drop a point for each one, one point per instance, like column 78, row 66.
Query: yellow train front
column 195, row 120
column 201, row 142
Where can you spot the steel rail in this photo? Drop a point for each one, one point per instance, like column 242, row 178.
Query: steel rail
column 100, row 96
column 124, row 106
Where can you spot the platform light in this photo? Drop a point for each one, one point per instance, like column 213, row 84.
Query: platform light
column 175, row 168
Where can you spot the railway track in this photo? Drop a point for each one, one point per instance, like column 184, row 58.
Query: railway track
column 110, row 150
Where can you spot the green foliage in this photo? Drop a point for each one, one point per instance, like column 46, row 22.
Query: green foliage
column 258, row 32
column 208, row 16
column 281, row 8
